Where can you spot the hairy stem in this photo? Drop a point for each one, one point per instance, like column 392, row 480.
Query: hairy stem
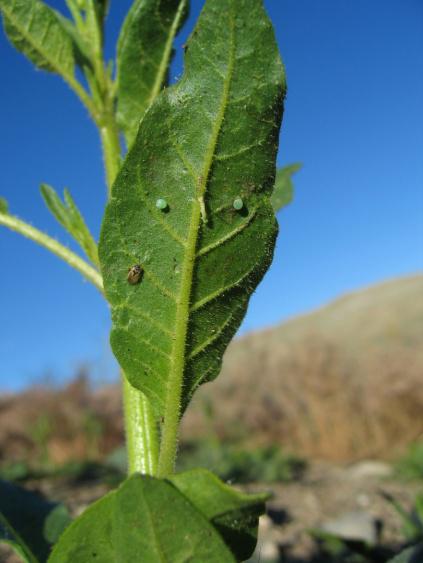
column 111, row 149
column 140, row 425
column 89, row 273
column 140, row 428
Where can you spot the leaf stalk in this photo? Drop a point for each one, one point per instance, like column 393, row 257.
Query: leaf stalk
column 89, row 273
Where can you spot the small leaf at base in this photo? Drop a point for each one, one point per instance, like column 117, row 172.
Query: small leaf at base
column 146, row 519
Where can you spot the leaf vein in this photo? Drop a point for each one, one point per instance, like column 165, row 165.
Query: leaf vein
column 229, row 236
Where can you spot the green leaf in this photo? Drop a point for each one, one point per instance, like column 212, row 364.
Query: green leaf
column 146, row 519
column 23, row 517
column 69, row 216
column 36, row 31
column 56, row 523
column 234, row 514
column 410, row 555
column 205, row 142
column 143, row 57
column 284, row 190
column 4, row 206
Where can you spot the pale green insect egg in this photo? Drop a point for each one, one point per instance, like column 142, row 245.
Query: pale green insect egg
column 161, row 204
column 238, row 204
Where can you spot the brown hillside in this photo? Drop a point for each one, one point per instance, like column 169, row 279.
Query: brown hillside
column 341, row 383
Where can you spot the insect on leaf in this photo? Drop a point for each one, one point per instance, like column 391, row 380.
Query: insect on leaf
column 145, row 50
column 37, row 31
column 203, row 143
column 283, row 191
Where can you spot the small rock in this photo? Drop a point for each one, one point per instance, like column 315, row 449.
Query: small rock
column 370, row 469
column 358, row 526
column 268, row 551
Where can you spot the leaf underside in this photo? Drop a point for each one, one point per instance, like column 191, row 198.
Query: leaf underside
column 146, row 519
column 234, row 514
column 143, row 57
column 36, row 31
column 203, row 143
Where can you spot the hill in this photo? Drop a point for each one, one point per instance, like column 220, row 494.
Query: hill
column 343, row 382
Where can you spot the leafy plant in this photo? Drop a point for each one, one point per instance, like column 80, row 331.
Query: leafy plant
column 188, row 233
column 412, row 521
column 410, row 466
column 234, row 463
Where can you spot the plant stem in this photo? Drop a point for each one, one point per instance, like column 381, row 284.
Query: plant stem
column 140, row 428
column 140, row 424
column 111, row 149
column 89, row 273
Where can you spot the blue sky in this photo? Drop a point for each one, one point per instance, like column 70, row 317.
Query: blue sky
column 353, row 117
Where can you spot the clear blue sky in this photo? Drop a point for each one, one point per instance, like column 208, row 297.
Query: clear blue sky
column 353, row 117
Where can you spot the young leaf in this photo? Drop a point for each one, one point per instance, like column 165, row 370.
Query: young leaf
column 69, row 216
column 36, row 31
column 146, row 519
column 204, row 143
column 4, row 206
column 143, row 57
column 284, row 189
column 23, row 517
column 234, row 514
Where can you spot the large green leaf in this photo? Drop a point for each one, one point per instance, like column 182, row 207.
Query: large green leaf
column 234, row 514
column 204, row 143
column 143, row 57
column 29, row 523
column 283, row 191
column 146, row 519
column 37, row 31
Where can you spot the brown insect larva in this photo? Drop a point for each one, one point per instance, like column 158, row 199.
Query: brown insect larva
column 134, row 274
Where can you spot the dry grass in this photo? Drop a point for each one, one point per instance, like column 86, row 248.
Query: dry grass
column 340, row 384
column 53, row 426
column 311, row 401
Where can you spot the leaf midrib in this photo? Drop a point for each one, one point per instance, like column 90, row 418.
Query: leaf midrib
column 178, row 356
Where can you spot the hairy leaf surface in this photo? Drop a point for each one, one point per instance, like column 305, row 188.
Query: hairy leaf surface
column 283, row 191
column 36, row 30
column 145, row 51
column 234, row 514
column 205, row 142
column 146, row 519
